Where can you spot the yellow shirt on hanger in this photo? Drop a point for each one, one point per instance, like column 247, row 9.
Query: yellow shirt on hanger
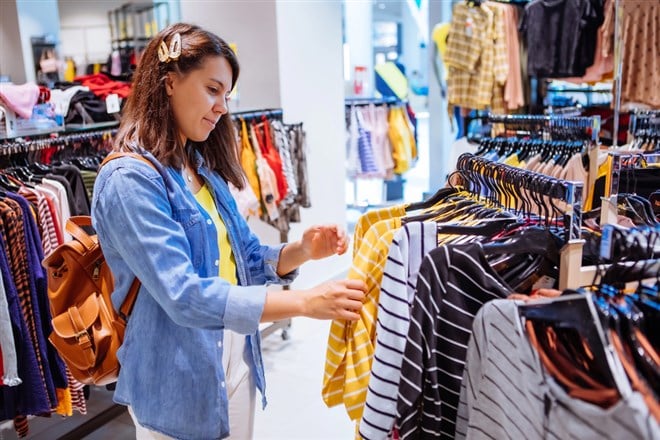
column 351, row 344
column 227, row 264
column 368, row 219
column 249, row 163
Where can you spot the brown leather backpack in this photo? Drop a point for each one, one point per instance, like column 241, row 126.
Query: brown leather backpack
column 87, row 331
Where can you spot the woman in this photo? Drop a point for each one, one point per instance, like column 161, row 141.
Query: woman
column 191, row 358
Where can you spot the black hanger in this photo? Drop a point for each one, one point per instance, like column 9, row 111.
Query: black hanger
column 436, row 198
column 531, row 240
column 578, row 312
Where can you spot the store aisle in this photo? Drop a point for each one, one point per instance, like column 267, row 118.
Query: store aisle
column 294, row 373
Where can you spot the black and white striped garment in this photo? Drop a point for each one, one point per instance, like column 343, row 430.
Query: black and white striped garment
column 454, row 282
column 409, row 246
column 506, row 393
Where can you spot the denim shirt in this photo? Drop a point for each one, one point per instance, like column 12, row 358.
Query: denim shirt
column 150, row 226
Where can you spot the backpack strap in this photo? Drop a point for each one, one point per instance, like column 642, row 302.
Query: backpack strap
column 127, row 306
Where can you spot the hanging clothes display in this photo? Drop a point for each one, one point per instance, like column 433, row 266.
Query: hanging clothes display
column 477, row 57
column 42, row 185
column 381, row 139
column 352, row 346
column 561, row 36
column 274, row 158
column 640, row 37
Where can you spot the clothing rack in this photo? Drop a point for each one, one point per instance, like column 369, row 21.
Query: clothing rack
column 20, row 145
column 472, row 166
column 387, row 100
column 621, row 161
column 272, row 113
column 643, row 121
column 590, row 125
column 645, row 240
column 257, row 115
column 584, row 275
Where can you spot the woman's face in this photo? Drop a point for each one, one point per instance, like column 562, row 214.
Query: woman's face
column 199, row 98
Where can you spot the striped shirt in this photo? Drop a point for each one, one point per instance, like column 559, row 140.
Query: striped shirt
column 411, row 243
column 351, row 344
column 506, row 393
column 454, row 282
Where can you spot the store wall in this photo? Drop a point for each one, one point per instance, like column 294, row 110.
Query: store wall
column 85, row 30
column 309, row 36
column 36, row 19
column 252, row 26
column 11, row 51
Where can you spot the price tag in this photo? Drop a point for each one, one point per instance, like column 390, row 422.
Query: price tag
column 112, row 103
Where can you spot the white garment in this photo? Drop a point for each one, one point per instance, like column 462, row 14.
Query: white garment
column 142, row 433
column 241, row 388
column 62, row 203
column 62, row 98
column 241, row 391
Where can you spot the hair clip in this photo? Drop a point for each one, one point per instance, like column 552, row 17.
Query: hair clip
column 166, row 55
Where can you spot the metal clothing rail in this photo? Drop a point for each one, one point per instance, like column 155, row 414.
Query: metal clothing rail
column 489, row 177
column 549, row 123
column 17, row 146
column 641, row 121
column 269, row 113
column 621, row 162
column 376, row 101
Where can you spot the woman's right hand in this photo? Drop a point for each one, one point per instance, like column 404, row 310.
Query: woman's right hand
column 340, row 299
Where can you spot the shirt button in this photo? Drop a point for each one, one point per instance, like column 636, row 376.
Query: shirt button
column 217, row 263
column 219, row 344
column 222, row 384
column 209, row 221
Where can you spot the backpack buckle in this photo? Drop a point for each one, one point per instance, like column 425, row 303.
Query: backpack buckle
column 80, row 335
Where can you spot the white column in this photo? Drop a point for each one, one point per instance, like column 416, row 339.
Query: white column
column 358, row 34
column 440, row 135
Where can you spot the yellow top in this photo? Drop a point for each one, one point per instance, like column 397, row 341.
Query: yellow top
column 351, row 344
column 227, row 263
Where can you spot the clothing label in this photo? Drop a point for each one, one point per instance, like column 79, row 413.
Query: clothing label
column 468, row 26
column 545, row 282
column 112, row 103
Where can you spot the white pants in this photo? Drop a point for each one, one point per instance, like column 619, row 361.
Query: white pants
column 241, row 391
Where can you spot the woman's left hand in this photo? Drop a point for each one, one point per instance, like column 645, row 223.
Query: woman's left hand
column 322, row 241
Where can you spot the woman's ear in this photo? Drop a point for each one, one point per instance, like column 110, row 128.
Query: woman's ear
column 170, row 81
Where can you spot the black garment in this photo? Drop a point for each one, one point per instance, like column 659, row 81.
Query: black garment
column 72, row 174
column 87, row 108
column 454, row 282
column 640, row 181
column 561, row 36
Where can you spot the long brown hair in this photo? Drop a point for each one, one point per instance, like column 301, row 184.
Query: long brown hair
column 148, row 121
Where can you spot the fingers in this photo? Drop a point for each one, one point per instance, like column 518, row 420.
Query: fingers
column 355, row 285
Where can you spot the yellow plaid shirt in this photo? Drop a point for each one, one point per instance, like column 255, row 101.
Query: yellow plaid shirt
column 477, row 58
column 351, row 344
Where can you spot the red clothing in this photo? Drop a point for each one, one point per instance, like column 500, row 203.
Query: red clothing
column 272, row 156
column 102, row 86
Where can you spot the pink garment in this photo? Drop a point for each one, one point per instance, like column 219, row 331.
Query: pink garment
column 513, row 91
column 19, row 99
